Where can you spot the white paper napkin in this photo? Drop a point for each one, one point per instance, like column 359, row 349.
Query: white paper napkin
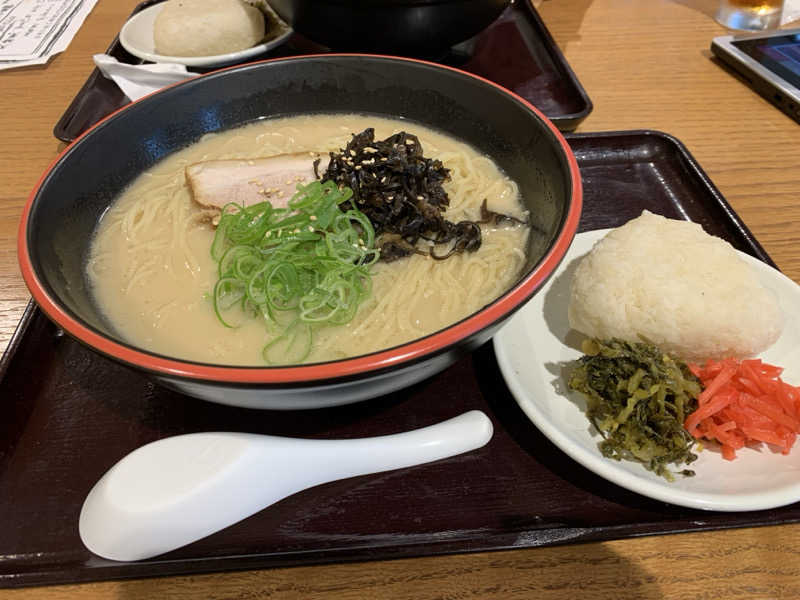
column 139, row 80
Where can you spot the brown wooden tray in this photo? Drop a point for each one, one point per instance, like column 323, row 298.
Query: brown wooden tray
column 516, row 51
column 69, row 414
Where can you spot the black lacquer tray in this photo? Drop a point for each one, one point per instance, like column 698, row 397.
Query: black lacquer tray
column 516, row 51
column 69, row 414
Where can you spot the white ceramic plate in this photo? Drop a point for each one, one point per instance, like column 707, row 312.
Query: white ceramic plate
column 535, row 348
column 136, row 37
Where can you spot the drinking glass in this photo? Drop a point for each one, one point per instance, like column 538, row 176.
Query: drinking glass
column 750, row 15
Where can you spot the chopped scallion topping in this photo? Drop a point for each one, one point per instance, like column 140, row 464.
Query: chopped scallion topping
column 299, row 267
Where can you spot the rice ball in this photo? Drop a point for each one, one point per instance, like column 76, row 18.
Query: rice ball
column 207, row 27
column 670, row 283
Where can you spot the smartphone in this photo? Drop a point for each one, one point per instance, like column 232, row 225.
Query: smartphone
column 769, row 62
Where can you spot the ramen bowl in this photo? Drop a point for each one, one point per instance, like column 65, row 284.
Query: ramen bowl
column 63, row 210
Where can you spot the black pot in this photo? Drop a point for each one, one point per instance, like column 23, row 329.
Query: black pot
column 406, row 27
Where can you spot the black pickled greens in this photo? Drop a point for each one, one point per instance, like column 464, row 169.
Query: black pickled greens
column 401, row 193
column 638, row 399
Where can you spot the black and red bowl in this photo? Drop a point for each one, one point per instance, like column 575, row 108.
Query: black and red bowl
column 64, row 208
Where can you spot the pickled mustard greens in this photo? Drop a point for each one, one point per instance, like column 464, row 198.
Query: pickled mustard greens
column 298, row 267
column 401, row 192
column 638, row 398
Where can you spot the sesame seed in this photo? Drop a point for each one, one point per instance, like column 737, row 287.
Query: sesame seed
column 383, row 178
column 420, row 198
column 310, row 228
column 313, row 217
column 358, row 167
column 384, row 159
column 297, row 230
column 352, row 152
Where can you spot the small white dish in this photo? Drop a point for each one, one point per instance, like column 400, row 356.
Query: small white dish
column 534, row 351
column 136, row 36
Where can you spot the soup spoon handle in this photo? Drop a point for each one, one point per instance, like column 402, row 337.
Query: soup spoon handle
column 174, row 491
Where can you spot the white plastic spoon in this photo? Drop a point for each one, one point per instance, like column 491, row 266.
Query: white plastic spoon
column 180, row 489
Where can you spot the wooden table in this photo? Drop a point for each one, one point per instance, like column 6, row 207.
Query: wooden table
column 645, row 65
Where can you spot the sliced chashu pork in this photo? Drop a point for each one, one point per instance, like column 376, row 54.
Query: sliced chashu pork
column 215, row 183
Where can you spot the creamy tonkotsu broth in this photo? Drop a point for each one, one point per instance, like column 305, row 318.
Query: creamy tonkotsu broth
column 152, row 272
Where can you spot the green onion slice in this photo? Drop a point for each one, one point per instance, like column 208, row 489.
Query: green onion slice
column 298, row 268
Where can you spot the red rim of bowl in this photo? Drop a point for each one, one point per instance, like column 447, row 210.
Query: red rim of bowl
column 360, row 365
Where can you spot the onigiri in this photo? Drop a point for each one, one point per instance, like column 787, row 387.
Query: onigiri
column 207, row 27
column 670, row 283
